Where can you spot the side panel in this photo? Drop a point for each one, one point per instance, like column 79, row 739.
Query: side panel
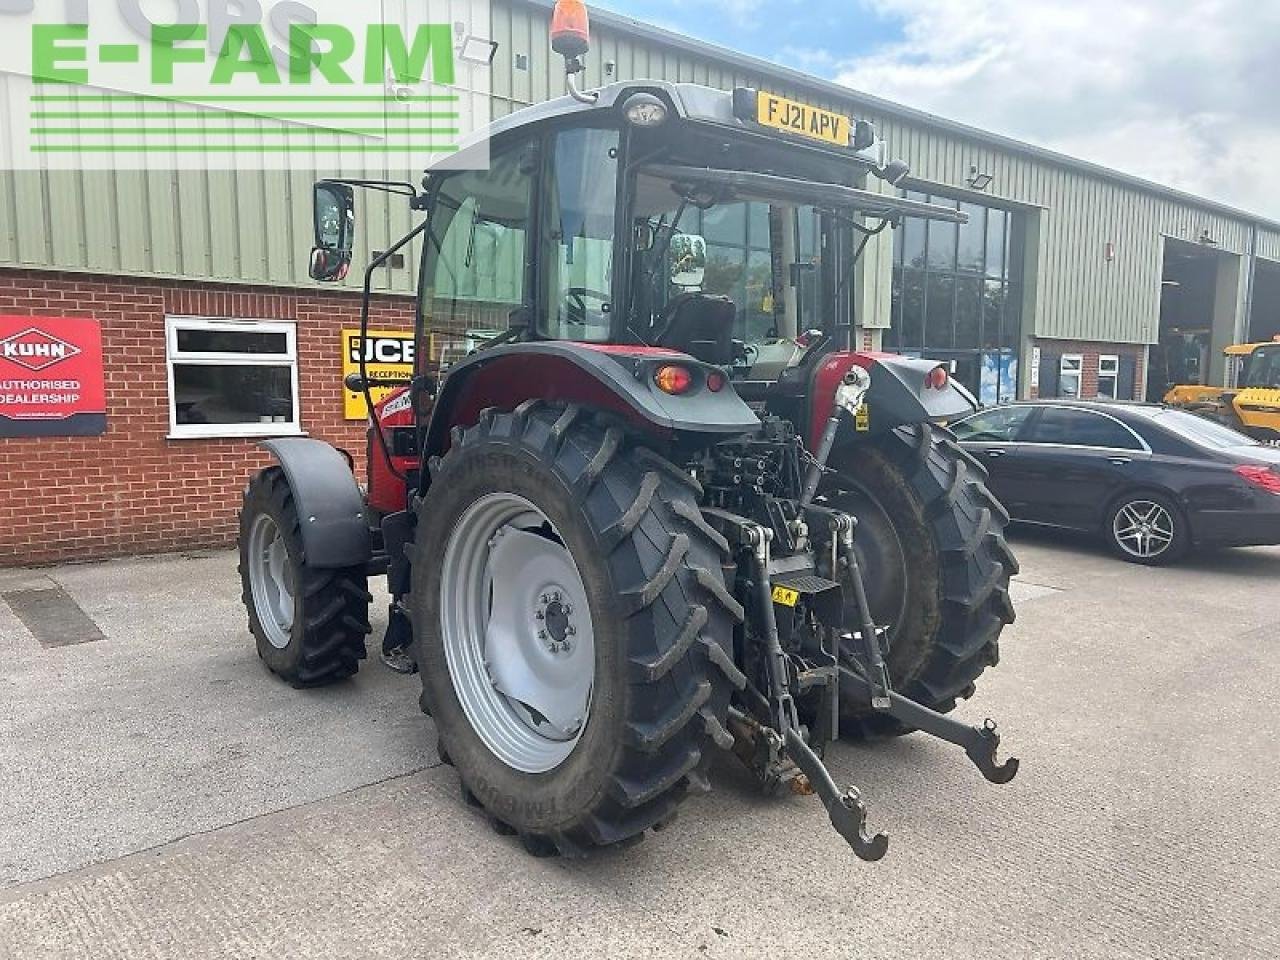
column 387, row 491
column 898, row 392
column 613, row 379
column 335, row 532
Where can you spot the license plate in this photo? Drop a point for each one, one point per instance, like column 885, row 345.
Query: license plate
column 785, row 596
column 803, row 120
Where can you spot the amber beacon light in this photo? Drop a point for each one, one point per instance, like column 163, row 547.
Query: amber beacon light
column 570, row 29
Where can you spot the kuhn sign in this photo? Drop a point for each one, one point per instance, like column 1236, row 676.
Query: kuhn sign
column 51, row 377
column 36, row 350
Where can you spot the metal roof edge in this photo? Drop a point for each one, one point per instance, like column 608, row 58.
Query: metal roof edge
column 830, row 88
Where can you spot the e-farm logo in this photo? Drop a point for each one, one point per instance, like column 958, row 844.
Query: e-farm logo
column 129, row 81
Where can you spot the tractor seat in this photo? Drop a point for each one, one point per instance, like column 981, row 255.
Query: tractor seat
column 700, row 325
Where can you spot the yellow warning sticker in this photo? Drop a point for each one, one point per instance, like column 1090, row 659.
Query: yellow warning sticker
column 862, row 421
column 785, row 596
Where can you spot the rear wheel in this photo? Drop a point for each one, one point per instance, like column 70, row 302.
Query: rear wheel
column 1146, row 528
column 574, row 629
column 937, row 567
column 310, row 625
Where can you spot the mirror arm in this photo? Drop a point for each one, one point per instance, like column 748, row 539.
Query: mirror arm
column 365, row 302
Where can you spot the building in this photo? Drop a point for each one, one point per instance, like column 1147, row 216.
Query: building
column 1069, row 279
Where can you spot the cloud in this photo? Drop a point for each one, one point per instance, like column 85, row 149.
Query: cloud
column 1182, row 94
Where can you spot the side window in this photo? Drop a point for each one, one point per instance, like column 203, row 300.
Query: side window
column 1082, row 429
column 994, row 426
column 577, row 235
column 474, row 274
column 1070, row 370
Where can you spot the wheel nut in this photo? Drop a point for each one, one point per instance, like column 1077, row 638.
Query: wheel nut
column 570, row 631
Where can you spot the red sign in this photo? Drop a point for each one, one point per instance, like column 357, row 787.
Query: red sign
column 51, row 379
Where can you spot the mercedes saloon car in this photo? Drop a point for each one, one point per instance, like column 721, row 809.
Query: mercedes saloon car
column 1153, row 481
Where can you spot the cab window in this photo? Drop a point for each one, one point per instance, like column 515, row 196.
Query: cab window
column 1001, row 425
column 474, row 268
column 578, row 234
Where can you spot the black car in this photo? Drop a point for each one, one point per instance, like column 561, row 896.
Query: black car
column 1154, row 481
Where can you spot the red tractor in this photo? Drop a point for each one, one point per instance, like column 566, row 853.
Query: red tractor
column 669, row 511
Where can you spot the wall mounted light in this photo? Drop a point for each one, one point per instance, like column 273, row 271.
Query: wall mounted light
column 473, row 49
column 1207, row 238
column 979, row 181
column 1109, row 252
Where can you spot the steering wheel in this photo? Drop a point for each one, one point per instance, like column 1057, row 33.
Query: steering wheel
column 577, row 298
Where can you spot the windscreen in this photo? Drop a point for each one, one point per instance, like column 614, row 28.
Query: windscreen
column 1263, row 369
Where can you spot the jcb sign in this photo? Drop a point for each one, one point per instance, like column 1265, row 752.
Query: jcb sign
column 388, row 355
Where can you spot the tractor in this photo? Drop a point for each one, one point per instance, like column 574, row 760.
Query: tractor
column 1251, row 401
column 670, row 511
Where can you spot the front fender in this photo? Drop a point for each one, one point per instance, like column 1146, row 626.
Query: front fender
column 331, row 509
column 617, row 379
column 898, row 394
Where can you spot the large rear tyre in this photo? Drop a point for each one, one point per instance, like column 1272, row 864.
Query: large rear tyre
column 309, row 624
column 574, row 630
column 937, row 567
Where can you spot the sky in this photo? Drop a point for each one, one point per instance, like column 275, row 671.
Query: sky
column 1182, row 92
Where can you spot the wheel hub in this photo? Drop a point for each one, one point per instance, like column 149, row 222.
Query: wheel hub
column 1144, row 529
column 517, row 632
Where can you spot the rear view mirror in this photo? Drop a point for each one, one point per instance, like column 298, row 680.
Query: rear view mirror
column 688, row 261
column 335, row 223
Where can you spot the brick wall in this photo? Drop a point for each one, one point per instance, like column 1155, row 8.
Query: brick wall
column 1091, row 352
column 134, row 490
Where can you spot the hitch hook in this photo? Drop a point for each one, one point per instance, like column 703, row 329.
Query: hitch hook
column 847, row 811
column 982, row 751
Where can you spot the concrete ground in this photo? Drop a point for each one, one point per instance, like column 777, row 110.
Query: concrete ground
column 162, row 796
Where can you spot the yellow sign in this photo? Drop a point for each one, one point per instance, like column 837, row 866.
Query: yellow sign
column 862, row 422
column 803, row 120
column 388, row 355
column 785, row 596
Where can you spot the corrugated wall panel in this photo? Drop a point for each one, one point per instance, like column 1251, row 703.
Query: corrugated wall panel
column 256, row 227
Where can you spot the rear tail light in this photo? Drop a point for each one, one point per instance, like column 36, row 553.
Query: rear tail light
column 937, row 379
column 673, row 380
column 1262, row 477
column 715, row 381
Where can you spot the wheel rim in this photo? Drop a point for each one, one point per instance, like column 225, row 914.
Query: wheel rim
column 271, row 580
column 517, row 632
column 1143, row 529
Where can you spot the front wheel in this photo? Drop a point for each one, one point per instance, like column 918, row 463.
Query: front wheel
column 309, row 624
column 575, row 633
column 932, row 550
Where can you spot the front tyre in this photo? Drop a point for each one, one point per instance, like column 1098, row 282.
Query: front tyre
column 937, row 567
column 310, row 625
column 575, row 633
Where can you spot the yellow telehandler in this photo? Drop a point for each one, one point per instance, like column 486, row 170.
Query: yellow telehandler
column 1251, row 401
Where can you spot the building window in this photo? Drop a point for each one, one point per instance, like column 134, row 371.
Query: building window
column 1108, row 377
column 1070, row 370
column 956, row 295
column 232, row 378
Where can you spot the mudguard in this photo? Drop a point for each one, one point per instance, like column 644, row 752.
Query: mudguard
column 898, row 395
column 618, row 379
column 335, row 530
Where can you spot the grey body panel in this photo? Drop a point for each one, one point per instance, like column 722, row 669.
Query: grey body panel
column 702, row 412
column 898, row 395
column 335, row 529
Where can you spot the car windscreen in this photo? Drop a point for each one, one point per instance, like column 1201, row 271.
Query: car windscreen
column 1196, row 429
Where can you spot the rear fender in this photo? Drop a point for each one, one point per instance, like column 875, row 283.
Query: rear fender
column 335, row 531
column 615, row 379
column 898, row 393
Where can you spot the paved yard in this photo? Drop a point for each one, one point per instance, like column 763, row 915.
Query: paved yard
column 162, row 796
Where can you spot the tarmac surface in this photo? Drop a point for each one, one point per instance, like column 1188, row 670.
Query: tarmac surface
column 161, row 795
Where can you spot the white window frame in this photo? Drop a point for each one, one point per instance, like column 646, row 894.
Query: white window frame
column 1077, row 372
column 1112, row 361
column 204, row 431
